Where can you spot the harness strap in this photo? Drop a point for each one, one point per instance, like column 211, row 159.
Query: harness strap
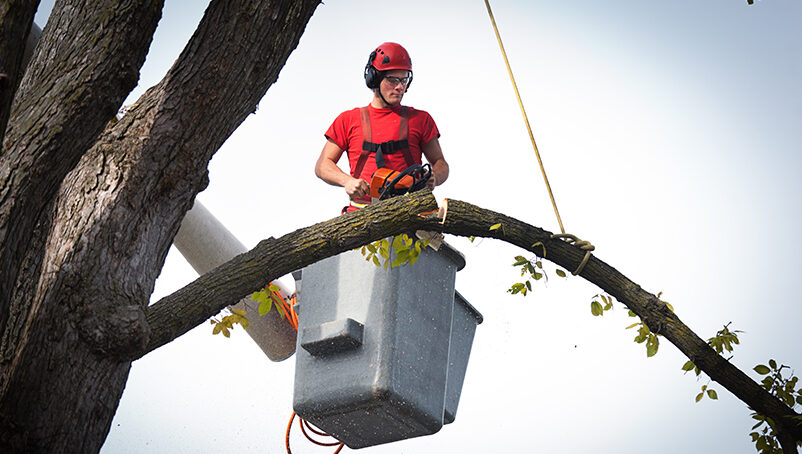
column 366, row 135
column 380, row 149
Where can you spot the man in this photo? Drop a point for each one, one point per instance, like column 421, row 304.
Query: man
column 382, row 134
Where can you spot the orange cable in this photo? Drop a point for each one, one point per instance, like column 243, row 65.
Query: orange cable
column 292, row 318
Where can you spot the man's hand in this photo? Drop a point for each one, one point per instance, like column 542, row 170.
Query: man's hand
column 432, row 181
column 356, row 188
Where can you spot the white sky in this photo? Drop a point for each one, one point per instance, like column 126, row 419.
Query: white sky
column 667, row 129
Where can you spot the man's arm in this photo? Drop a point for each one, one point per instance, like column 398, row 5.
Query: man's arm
column 326, row 169
column 434, row 154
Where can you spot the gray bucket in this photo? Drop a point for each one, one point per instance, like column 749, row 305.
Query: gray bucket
column 381, row 353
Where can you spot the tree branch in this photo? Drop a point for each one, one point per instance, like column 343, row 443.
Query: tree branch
column 63, row 103
column 192, row 305
column 273, row 258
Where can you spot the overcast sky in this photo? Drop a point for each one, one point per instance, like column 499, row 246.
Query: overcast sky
column 670, row 132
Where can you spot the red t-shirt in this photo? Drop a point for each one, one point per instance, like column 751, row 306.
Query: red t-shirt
column 346, row 133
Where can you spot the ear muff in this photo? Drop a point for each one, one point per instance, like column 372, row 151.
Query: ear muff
column 372, row 76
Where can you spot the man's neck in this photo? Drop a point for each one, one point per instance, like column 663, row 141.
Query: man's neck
column 378, row 103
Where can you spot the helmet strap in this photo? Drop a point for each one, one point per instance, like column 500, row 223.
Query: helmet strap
column 379, row 91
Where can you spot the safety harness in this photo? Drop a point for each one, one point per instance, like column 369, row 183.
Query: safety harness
column 380, row 149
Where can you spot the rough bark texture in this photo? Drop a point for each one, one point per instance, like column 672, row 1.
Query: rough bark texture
column 16, row 17
column 98, row 243
column 62, row 104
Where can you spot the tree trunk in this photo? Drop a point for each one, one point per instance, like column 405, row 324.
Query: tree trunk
column 63, row 103
column 16, row 18
column 86, row 274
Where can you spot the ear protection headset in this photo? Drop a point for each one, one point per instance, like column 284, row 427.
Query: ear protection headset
column 373, row 77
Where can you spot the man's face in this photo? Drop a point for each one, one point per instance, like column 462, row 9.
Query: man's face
column 394, row 85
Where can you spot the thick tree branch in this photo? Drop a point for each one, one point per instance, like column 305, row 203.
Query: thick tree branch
column 466, row 219
column 192, row 305
column 64, row 101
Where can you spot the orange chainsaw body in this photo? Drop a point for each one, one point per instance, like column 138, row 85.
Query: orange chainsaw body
column 381, row 177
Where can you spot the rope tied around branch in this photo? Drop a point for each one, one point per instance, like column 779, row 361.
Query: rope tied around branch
column 582, row 244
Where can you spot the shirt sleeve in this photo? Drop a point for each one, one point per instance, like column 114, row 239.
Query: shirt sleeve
column 430, row 130
column 337, row 132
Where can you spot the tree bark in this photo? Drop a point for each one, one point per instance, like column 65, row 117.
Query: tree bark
column 62, row 104
column 16, row 17
column 100, row 242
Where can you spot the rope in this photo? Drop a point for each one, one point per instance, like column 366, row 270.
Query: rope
column 567, row 237
column 526, row 119
column 584, row 245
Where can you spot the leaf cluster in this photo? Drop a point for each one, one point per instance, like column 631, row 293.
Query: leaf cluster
column 600, row 304
column 226, row 324
column 711, row 393
column 531, row 270
column 268, row 298
column 645, row 335
column 764, row 433
column 407, row 250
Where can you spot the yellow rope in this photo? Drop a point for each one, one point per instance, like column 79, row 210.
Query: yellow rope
column 572, row 239
column 582, row 244
column 526, row 119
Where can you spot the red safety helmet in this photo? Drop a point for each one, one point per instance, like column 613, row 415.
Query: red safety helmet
column 386, row 57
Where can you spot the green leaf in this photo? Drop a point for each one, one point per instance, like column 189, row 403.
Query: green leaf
column 280, row 310
column 773, row 364
column 699, row 396
column 471, row 238
column 400, row 259
column 595, row 308
column 495, row 226
column 651, row 346
column 560, row 273
column 712, row 394
column 688, row 366
column 376, row 261
column 520, row 261
column 264, row 307
column 761, row 369
column 632, row 325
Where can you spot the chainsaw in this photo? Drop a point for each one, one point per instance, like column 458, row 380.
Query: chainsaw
column 386, row 183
